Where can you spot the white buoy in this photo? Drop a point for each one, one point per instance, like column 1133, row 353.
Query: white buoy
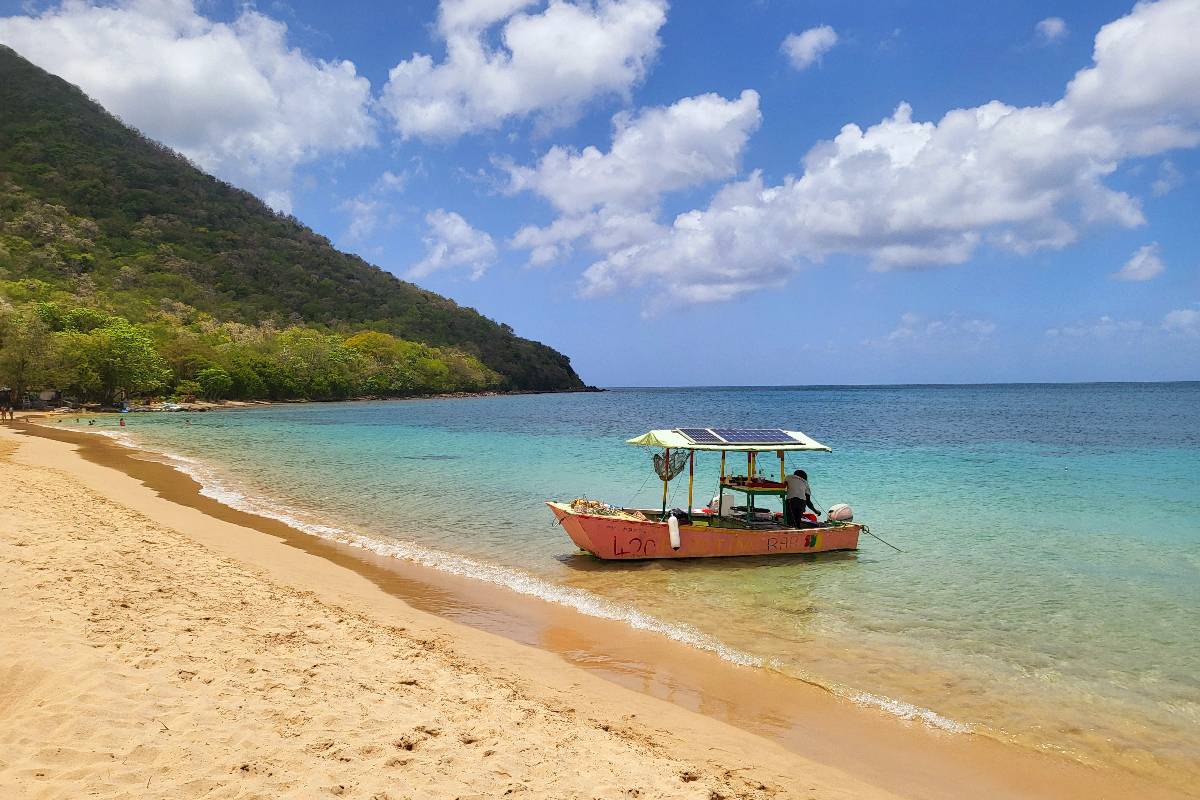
column 840, row 512
column 673, row 527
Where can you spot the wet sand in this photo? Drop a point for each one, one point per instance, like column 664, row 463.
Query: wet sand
column 290, row 665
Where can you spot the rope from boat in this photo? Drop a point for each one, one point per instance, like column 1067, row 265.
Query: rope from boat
column 638, row 492
column 833, row 523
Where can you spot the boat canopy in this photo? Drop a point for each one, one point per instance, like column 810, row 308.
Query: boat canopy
column 756, row 440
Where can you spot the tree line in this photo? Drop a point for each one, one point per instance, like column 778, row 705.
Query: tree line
column 94, row 356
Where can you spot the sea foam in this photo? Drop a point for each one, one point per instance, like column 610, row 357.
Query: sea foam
column 903, row 710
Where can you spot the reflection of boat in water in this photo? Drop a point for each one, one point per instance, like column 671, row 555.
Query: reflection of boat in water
column 721, row 528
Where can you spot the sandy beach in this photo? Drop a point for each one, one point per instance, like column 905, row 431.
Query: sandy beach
column 158, row 647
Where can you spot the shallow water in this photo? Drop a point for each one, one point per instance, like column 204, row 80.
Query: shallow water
column 1049, row 592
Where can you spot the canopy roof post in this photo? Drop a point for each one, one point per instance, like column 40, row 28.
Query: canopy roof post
column 783, row 480
column 666, row 483
column 749, row 478
column 721, row 486
column 691, row 478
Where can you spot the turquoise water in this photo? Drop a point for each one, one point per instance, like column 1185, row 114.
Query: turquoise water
column 1049, row 592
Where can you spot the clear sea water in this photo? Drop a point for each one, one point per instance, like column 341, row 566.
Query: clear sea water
column 1049, row 592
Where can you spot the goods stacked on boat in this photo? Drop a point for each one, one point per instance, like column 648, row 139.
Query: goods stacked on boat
column 581, row 505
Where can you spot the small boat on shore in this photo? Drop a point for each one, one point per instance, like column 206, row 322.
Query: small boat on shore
column 721, row 528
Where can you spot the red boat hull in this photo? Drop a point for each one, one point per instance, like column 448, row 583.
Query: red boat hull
column 618, row 538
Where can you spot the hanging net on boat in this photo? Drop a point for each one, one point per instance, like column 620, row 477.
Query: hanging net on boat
column 669, row 468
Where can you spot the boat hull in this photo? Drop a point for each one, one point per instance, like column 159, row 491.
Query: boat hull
column 620, row 539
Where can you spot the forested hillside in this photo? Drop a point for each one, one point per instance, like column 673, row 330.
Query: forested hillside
column 107, row 237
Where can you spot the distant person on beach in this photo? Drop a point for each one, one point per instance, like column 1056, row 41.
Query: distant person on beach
column 799, row 497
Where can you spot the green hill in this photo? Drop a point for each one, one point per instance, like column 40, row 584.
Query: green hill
column 95, row 215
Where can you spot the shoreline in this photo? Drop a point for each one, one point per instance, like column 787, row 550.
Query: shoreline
column 775, row 712
column 197, row 406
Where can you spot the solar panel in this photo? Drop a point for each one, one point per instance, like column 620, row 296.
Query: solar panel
column 701, row 436
column 754, row 436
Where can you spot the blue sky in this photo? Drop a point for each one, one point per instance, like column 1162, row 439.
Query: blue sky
column 669, row 194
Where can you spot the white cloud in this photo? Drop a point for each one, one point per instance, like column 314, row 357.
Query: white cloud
column 546, row 64
column 902, row 193
column 1185, row 321
column 451, row 242
column 391, row 182
column 909, row 194
column 1181, row 322
column 364, row 217
column 1169, row 178
column 806, row 48
column 611, row 198
column 1104, row 328
column 1144, row 90
column 1051, row 29
column 659, row 150
column 1142, row 265
column 234, row 98
column 605, row 230
column 916, row 329
column 372, row 207
column 457, row 15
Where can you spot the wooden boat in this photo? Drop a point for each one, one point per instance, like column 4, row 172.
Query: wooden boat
column 615, row 533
